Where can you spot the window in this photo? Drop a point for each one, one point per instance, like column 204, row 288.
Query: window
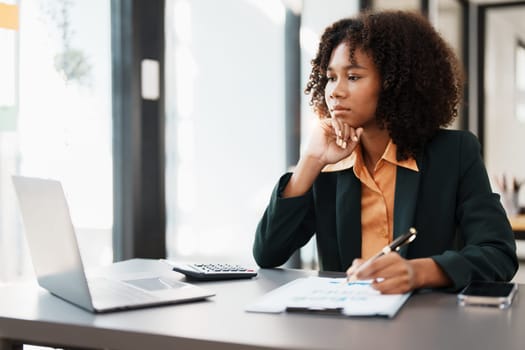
column 413, row 5
column 448, row 20
column 58, row 97
column 12, row 262
column 503, row 92
column 225, row 123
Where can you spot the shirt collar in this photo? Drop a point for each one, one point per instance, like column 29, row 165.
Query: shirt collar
column 390, row 155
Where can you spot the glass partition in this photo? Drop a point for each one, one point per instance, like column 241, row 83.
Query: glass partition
column 59, row 77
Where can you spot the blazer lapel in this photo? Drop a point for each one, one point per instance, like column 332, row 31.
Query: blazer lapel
column 405, row 200
column 348, row 217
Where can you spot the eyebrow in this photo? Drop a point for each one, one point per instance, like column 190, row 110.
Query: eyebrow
column 351, row 66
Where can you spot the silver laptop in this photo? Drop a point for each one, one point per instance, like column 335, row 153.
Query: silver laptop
column 58, row 265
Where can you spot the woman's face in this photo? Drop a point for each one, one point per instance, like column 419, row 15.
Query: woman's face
column 352, row 90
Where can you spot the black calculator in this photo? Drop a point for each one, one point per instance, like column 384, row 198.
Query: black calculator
column 213, row 272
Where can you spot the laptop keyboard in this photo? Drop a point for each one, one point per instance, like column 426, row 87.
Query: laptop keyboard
column 104, row 289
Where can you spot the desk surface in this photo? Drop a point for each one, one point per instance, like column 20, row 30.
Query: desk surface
column 518, row 224
column 427, row 321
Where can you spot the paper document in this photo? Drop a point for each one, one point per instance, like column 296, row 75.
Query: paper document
column 330, row 295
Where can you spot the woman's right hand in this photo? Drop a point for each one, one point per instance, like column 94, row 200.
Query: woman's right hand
column 332, row 140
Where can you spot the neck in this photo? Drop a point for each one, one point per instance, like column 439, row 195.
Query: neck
column 373, row 145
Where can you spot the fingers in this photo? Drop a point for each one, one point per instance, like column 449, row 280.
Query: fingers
column 345, row 133
column 390, row 273
column 353, row 268
column 395, row 285
column 358, row 133
column 338, row 130
column 399, row 278
column 373, row 269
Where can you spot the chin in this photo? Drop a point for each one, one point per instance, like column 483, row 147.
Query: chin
column 350, row 122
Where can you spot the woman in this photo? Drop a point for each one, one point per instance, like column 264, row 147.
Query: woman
column 378, row 162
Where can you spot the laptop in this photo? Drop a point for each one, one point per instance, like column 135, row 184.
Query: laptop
column 58, row 266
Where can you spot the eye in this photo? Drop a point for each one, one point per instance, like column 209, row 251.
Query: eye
column 330, row 78
column 353, row 77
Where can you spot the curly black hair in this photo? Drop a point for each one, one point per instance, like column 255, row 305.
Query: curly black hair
column 422, row 80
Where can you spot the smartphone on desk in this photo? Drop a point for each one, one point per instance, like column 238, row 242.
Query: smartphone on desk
column 498, row 294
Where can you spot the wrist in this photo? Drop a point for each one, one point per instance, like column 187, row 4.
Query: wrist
column 310, row 161
column 303, row 176
column 418, row 273
column 428, row 274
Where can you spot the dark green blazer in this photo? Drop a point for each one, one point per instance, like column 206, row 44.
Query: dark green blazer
column 460, row 221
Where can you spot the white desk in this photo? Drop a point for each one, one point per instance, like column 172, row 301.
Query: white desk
column 428, row 321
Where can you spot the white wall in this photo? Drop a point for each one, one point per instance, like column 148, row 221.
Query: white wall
column 448, row 22
column 225, row 124
column 504, row 134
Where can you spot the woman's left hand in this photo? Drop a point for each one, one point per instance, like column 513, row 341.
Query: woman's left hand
column 391, row 274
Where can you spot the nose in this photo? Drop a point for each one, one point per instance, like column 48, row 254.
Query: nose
column 337, row 89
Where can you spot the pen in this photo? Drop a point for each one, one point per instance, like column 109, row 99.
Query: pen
column 392, row 247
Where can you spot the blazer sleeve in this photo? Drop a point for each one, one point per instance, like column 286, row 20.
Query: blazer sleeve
column 287, row 224
column 489, row 248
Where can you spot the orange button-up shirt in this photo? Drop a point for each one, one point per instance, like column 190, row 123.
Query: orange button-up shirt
column 377, row 196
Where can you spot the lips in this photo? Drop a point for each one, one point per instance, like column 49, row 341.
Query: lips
column 339, row 108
